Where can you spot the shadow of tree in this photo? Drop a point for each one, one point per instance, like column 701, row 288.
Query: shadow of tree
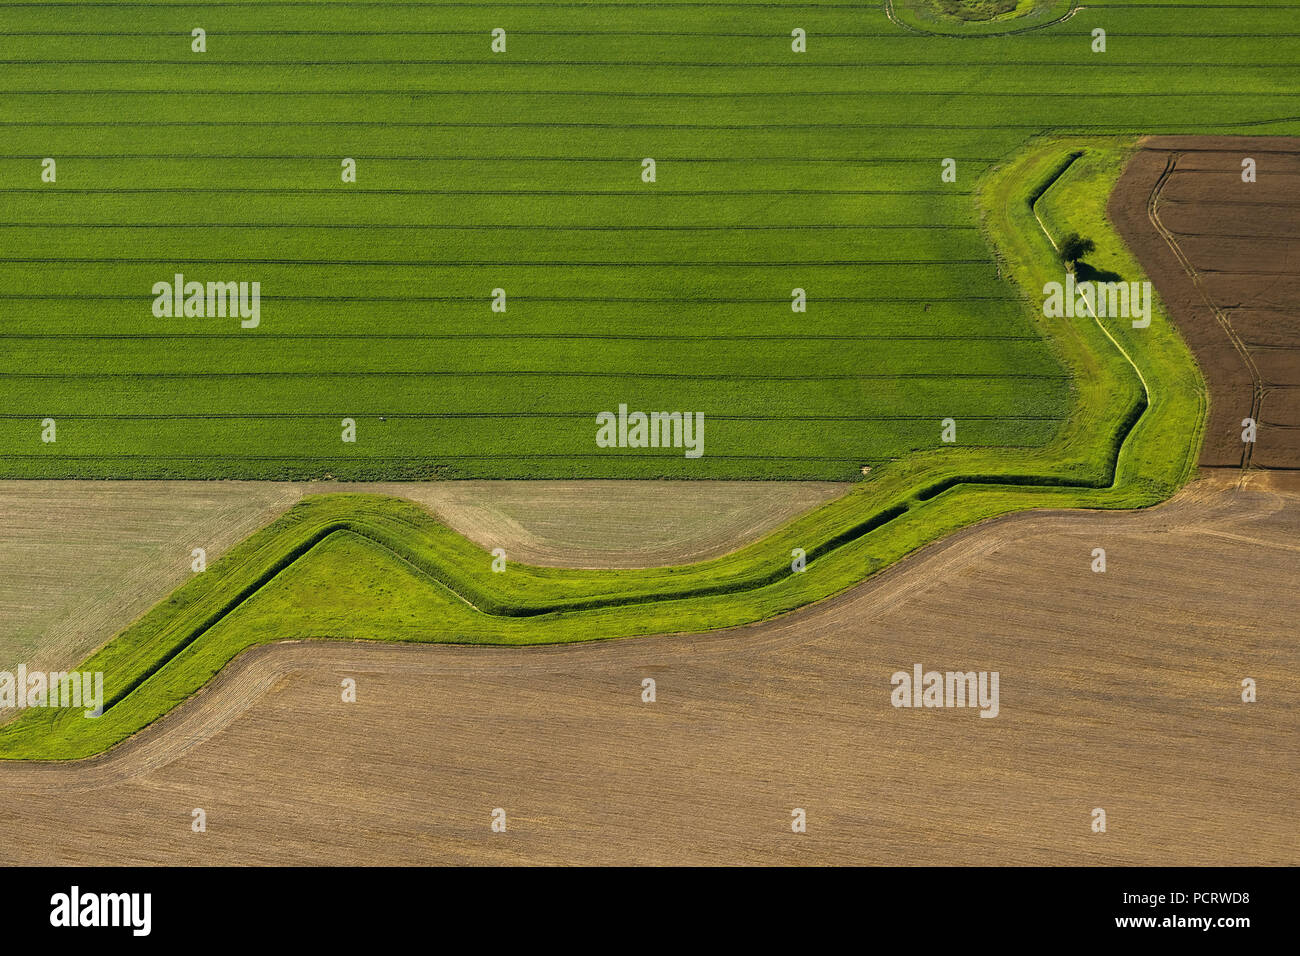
column 1086, row 273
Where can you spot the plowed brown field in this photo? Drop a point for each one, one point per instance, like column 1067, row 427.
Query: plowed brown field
column 1224, row 255
column 1119, row 690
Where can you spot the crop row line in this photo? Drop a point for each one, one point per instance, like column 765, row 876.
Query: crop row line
column 528, row 336
column 585, row 34
column 243, row 338
column 344, row 189
column 512, row 227
column 293, row 416
column 1206, row 201
column 674, row 64
column 671, row 94
column 593, row 300
column 584, row 4
column 1262, row 237
column 479, row 263
column 515, row 158
column 434, row 459
column 541, row 373
column 524, row 124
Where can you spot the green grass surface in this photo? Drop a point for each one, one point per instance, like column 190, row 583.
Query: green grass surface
column 367, row 567
column 520, row 171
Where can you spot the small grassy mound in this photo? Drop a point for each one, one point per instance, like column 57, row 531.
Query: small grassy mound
column 982, row 9
column 979, row 16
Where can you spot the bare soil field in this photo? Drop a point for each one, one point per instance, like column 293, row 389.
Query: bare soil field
column 1119, row 690
column 80, row 560
column 1224, row 255
column 613, row 524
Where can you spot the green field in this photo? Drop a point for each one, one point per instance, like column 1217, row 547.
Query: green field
column 361, row 567
column 522, row 171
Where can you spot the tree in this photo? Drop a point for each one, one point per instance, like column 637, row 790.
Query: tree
column 1073, row 248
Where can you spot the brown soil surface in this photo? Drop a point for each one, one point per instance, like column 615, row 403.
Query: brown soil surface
column 1118, row 690
column 613, row 524
column 1225, row 258
column 79, row 560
